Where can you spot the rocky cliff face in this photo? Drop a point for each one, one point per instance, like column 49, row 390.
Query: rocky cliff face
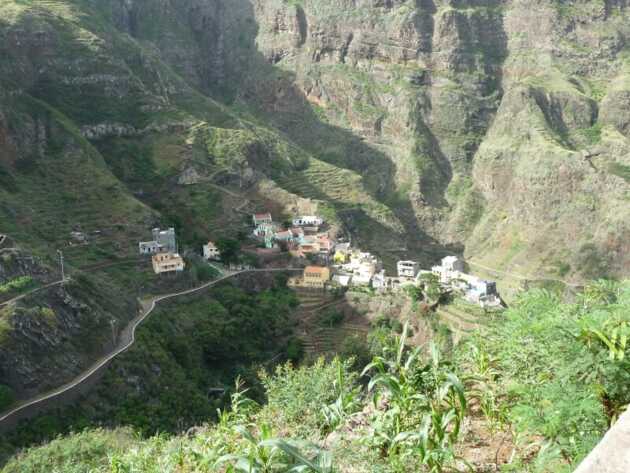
column 493, row 125
column 503, row 120
column 499, row 128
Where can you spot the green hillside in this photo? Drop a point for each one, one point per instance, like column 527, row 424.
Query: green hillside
column 321, row 418
column 483, row 128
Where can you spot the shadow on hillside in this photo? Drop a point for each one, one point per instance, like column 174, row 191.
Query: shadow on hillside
column 272, row 95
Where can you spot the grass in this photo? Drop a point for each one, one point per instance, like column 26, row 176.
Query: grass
column 16, row 285
column 592, row 135
column 342, row 187
column 620, row 170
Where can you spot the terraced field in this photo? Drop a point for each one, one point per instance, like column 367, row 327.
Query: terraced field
column 318, row 340
column 71, row 196
column 343, row 188
column 461, row 321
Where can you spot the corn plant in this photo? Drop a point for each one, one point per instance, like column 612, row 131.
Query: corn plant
column 346, row 403
column 267, row 454
column 424, row 407
column 612, row 335
column 483, row 383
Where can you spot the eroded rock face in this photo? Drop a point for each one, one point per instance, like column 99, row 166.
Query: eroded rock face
column 52, row 334
column 486, row 108
column 456, row 113
column 51, row 338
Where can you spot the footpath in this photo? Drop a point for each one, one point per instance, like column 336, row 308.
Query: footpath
column 126, row 339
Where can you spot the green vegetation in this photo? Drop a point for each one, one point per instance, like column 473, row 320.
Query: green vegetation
column 7, row 397
column 129, row 161
column 16, row 285
column 387, row 152
column 620, row 170
column 184, row 361
column 331, row 318
column 304, row 404
column 556, row 370
column 229, row 249
column 427, row 405
column 592, row 135
column 549, row 375
column 592, row 262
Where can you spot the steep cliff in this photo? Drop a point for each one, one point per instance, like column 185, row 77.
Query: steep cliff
column 499, row 128
column 494, row 126
column 503, row 121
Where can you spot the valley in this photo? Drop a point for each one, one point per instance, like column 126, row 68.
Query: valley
column 494, row 131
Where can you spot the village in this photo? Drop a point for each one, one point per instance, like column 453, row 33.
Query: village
column 329, row 262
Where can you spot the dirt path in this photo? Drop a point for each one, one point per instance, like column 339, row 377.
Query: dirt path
column 26, row 294
column 522, row 277
column 126, row 340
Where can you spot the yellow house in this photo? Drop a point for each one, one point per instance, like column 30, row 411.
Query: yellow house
column 340, row 257
column 315, row 277
column 167, row 262
column 342, row 253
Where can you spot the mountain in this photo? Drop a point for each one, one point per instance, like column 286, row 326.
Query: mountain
column 498, row 129
column 476, row 124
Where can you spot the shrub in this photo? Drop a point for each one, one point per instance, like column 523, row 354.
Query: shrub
column 331, row 318
column 6, row 397
column 295, row 349
column 296, row 395
column 16, row 284
column 559, row 367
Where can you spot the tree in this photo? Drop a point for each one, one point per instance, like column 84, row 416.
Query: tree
column 6, row 396
column 295, row 349
column 229, row 249
column 431, row 285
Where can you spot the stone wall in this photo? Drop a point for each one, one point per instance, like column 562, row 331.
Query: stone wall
column 612, row 455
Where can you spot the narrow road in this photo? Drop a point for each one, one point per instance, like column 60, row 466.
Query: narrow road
column 127, row 340
column 26, row 294
column 522, row 277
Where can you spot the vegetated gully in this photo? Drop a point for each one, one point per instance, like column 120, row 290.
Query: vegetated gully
column 29, row 408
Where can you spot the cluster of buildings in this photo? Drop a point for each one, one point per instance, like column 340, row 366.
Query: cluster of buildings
column 165, row 257
column 303, row 238
column 340, row 264
column 476, row 290
column 354, row 268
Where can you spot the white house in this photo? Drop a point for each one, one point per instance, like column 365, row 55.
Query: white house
column 362, row 266
column 211, row 252
column 408, row 269
column 149, row 247
column 307, row 221
column 260, row 219
column 263, row 230
column 479, row 290
column 342, row 280
column 453, row 263
column 380, row 281
column 450, row 268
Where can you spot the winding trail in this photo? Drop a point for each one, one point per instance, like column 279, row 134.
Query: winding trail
column 522, row 277
column 127, row 338
column 33, row 291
